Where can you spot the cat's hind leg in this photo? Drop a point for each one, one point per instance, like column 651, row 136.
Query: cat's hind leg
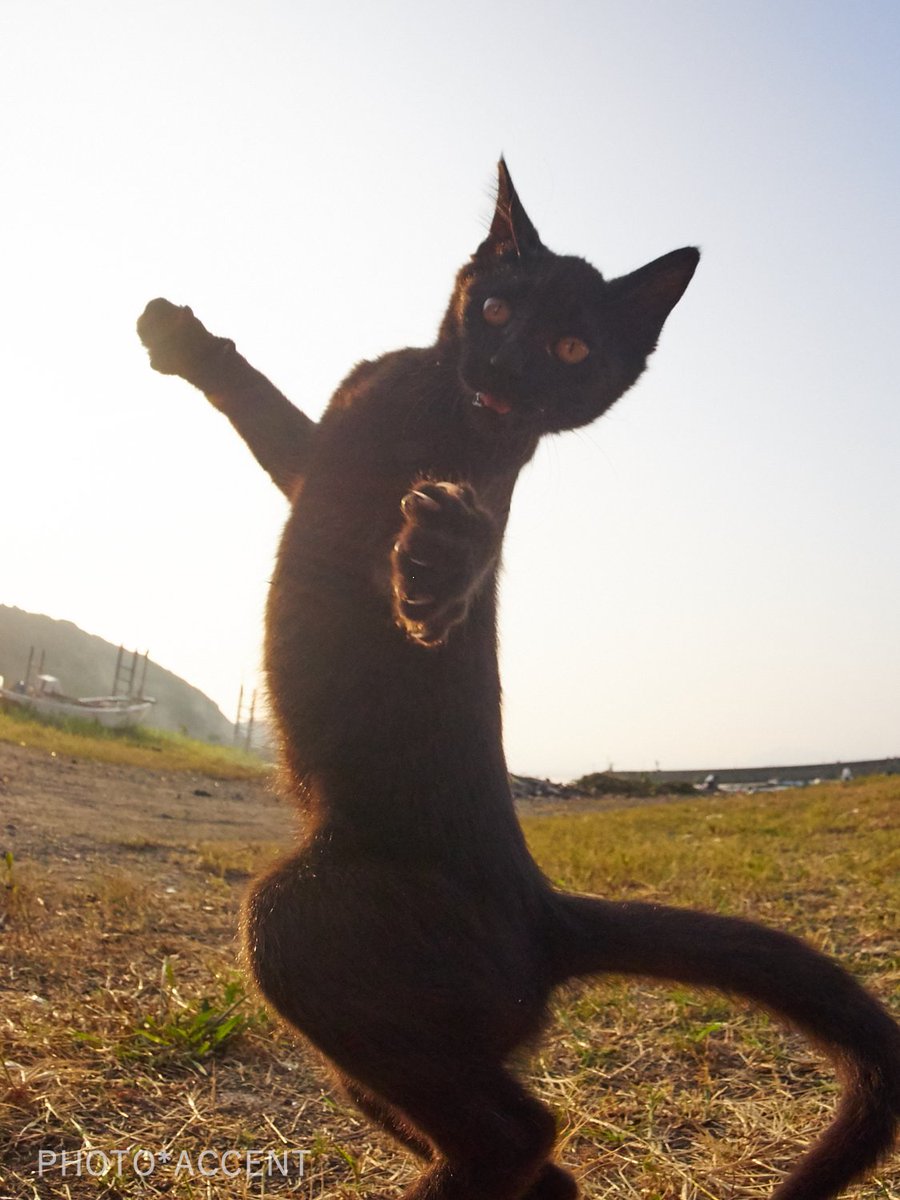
column 418, row 998
column 493, row 1138
column 552, row 1182
column 386, row 1117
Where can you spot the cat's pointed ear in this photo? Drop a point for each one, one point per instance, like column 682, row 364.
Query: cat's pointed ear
column 645, row 298
column 511, row 229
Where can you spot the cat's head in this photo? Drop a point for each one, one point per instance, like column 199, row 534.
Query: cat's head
column 543, row 342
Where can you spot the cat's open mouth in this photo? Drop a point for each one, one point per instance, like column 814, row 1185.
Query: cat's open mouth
column 520, row 413
column 496, row 403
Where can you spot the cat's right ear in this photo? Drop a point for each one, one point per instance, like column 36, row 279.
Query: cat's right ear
column 645, row 298
column 511, row 229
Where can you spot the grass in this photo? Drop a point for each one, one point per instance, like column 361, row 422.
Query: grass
column 126, row 1025
column 711, row 1096
column 140, row 746
column 176, row 1032
column 830, row 851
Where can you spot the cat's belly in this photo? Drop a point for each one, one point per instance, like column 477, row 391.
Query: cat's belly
column 351, row 693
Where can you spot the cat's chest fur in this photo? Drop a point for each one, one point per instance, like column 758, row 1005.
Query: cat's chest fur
column 402, row 418
column 408, row 414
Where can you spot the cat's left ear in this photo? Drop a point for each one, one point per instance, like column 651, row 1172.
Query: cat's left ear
column 511, row 229
column 645, row 298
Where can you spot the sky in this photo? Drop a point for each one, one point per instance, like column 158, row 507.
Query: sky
column 706, row 577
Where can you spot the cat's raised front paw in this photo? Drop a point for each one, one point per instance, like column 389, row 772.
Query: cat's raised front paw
column 178, row 343
column 445, row 547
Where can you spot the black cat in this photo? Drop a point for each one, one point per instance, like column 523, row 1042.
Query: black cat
column 411, row 937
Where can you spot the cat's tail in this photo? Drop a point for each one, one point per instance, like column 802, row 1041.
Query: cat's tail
column 778, row 972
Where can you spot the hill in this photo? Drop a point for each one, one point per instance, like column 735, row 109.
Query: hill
column 85, row 665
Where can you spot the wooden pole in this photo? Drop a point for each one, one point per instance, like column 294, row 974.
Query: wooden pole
column 250, row 721
column 143, row 675
column 237, row 722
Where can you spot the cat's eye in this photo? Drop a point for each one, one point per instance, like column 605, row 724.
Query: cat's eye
column 571, row 350
column 496, row 311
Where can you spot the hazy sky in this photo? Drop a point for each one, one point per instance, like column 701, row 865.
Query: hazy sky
column 709, row 575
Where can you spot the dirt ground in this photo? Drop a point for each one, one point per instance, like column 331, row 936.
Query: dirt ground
column 116, row 874
column 68, row 810
column 122, row 894
column 57, row 809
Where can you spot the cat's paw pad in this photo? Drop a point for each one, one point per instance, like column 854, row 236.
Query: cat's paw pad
column 176, row 340
column 446, row 544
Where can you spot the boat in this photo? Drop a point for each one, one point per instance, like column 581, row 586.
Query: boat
column 46, row 698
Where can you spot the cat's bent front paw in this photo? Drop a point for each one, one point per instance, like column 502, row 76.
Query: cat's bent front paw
column 444, row 549
column 178, row 343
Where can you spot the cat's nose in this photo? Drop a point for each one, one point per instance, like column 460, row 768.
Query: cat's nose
column 508, row 358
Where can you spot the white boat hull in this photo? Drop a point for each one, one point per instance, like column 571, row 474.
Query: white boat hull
column 112, row 712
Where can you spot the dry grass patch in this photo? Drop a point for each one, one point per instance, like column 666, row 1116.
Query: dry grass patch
column 126, row 1024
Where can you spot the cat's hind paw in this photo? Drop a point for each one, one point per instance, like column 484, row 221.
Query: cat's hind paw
column 442, row 554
